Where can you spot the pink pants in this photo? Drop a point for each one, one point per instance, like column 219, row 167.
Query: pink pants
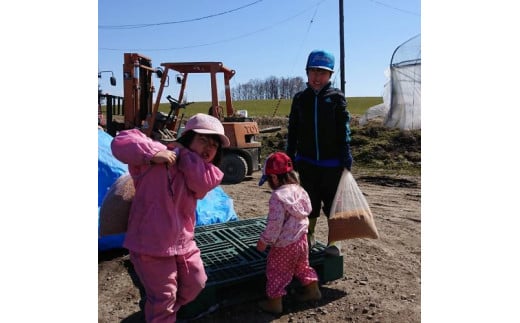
column 285, row 262
column 169, row 283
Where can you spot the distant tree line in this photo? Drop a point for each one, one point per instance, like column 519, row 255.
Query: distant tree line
column 270, row 88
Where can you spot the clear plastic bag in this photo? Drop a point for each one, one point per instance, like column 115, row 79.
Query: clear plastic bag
column 350, row 216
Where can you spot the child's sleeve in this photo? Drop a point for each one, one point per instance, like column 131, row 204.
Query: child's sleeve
column 200, row 177
column 275, row 220
column 133, row 147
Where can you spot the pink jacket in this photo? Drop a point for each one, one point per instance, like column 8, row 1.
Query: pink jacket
column 161, row 224
column 287, row 220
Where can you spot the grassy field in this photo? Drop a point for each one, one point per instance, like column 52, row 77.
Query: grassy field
column 272, row 108
column 279, row 108
column 374, row 146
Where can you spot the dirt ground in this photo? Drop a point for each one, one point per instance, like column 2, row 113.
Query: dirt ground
column 382, row 278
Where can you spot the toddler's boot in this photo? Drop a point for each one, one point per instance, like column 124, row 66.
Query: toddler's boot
column 310, row 292
column 272, row 305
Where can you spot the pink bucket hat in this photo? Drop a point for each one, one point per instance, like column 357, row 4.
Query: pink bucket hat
column 207, row 125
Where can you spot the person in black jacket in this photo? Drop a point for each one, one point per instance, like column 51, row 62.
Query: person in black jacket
column 318, row 139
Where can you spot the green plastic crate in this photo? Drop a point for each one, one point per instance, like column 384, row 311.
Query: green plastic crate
column 231, row 260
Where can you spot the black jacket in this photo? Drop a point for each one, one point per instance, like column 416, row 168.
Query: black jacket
column 319, row 128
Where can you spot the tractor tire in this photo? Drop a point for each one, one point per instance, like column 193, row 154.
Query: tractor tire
column 234, row 168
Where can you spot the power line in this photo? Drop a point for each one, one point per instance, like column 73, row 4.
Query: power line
column 175, row 22
column 215, row 42
column 306, row 34
column 299, row 51
column 395, row 8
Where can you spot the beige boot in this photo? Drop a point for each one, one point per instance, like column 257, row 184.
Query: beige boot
column 311, row 241
column 272, row 305
column 310, row 292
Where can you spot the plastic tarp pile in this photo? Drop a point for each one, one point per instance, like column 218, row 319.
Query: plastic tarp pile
column 401, row 107
column 378, row 111
column 215, row 207
column 405, row 86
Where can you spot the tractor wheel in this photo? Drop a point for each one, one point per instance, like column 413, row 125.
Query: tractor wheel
column 234, row 168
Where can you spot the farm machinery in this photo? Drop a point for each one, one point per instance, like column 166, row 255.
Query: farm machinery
column 139, row 110
column 102, row 96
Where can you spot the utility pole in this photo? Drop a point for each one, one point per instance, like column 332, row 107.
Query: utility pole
column 341, row 47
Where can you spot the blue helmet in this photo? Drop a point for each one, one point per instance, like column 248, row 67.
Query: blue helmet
column 320, row 59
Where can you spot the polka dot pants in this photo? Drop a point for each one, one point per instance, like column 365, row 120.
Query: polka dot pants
column 284, row 263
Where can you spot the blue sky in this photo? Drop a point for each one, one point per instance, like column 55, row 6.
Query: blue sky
column 257, row 38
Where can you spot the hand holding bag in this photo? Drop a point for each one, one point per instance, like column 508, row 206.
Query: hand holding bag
column 350, row 216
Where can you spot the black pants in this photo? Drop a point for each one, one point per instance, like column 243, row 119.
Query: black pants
column 321, row 184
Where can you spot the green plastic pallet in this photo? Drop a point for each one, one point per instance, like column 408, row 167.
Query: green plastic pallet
column 232, row 262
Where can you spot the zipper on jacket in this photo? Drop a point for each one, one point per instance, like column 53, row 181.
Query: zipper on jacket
column 316, row 125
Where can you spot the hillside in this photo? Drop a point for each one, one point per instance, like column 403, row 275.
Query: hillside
column 373, row 146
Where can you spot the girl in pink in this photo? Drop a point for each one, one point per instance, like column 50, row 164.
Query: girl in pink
column 286, row 233
column 161, row 225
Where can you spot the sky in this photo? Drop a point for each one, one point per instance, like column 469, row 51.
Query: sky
column 256, row 38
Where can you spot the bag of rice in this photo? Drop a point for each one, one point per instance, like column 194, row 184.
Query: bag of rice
column 350, row 216
column 115, row 209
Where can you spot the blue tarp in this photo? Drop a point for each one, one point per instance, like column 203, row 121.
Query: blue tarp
column 109, row 168
column 215, row 207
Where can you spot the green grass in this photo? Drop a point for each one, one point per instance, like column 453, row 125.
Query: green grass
column 359, row 105
column 278, row 108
